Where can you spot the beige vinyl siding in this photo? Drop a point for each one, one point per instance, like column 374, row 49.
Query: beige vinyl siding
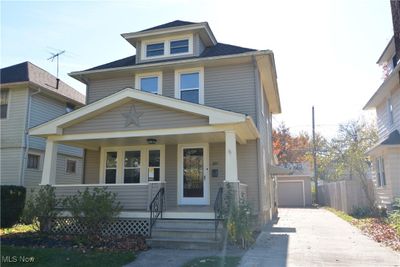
column 248, row 171
column 383, row 194
column 217, row 161
column 153, row 117
column 98, row 89
column 92, row 167
column 384, row 126
column 13, row 127
column 131, row 197
column 231, row 88
column 43, row 109
column 171, row 175
column 168, row 83
column 10, row 166
column 198, row 45
column 62, row 177
column 33, row 178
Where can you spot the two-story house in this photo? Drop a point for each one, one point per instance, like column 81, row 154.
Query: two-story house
column 31, row 96
column 386, row 101
column 174, row 124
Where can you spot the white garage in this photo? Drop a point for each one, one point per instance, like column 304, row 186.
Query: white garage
column 294, row 191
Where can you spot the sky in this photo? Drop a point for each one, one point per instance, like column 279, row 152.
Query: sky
column 325, row 51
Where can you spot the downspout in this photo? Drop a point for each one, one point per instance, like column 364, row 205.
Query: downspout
column 258, row 151
column 26, row 135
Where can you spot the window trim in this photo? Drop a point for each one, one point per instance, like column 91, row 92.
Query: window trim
column 144, row 162
column 380, row 172
column 179, row 72
column 40, row 163
column 176, row 40
column 157, row 74
column 8, row 103
column 167, row 46
column 66, row 166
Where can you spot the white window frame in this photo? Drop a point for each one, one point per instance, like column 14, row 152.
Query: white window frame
column 132, row 168
column 8, row 104
column 40, row 164
column 178, row 74
column 157, row 74
column 144, row 162
column 167, row 46
column 76, row 166
column 390, row 111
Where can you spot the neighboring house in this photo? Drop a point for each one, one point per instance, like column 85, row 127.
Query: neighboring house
column 294, row 188
column 386, row 101
column 186, row 113
column 31, row 96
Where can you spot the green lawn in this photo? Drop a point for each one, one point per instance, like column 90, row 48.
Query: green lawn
column 50, row 257
column 213, row 262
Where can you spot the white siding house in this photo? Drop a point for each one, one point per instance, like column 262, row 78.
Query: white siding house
column 386, row 154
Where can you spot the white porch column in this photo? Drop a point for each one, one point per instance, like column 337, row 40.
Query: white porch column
column 231, row 171
column 50, row 163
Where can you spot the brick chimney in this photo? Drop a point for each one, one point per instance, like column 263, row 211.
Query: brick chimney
column 395, row 6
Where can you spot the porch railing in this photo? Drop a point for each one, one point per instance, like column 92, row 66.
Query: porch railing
column 218, row 212
column 156, row 207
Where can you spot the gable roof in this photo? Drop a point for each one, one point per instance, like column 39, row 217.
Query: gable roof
column 217, row 117
column 175, row 23
column 219, row 49
column 28, row 72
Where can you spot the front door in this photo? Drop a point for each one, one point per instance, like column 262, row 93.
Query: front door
column 193, row 175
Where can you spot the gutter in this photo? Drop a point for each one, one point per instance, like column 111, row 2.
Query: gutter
column 78, row 74
column 26, row 135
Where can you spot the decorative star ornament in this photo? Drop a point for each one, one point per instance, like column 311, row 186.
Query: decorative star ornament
column 132, row 117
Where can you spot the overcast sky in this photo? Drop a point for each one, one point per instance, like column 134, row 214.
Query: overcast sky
column 325, row 51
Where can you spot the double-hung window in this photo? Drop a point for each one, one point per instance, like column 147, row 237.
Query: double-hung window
column 70, row 167
column 132, row 167
column 33, row 161
column 4, row 103
column 380, row 172
column 189, row 86
column 153, row 50
column 149, row 82
column 111, row 167
column 179, row 46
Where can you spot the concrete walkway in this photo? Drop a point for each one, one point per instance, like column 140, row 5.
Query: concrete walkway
column 177, row 257
column 316, row 237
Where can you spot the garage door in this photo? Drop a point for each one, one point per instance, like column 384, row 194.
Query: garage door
column 290, row 194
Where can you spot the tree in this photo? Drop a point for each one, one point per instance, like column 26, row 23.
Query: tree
column 289, row 148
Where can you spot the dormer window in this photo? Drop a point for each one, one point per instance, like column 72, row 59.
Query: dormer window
column 180, row 46
column 153, row 50
column 175, row 45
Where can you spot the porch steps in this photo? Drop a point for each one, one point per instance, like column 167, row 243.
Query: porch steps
column 185, row 234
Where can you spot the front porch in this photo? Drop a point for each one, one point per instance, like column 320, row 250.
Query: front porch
column 137, row 143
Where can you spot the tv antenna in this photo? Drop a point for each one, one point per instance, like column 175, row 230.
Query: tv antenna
column 56, row 55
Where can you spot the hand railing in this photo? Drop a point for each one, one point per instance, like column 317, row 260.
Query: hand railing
column 156, row 207
column 218, row 213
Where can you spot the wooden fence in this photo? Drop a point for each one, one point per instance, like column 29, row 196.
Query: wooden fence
column 343, row 195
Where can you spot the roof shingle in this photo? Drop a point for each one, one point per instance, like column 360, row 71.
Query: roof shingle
column 175, row 23
column 219, row 49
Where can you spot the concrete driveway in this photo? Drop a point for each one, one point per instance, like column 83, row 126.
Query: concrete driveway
column 316, row 237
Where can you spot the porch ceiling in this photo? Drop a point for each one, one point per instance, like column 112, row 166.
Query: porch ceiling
column 95, row 144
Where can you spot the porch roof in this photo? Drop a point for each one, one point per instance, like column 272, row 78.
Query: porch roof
column 218, row 119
